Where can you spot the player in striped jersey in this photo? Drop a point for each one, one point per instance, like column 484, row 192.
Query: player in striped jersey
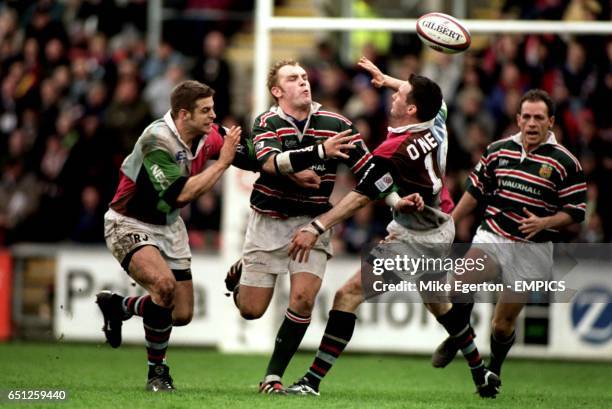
column 411, row 159
column 531, row 186
column 294, row 135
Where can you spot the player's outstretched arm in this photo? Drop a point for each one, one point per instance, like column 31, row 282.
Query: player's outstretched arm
column 379, row 79
column 300, row 159
column 199, row 184
column 305, row 238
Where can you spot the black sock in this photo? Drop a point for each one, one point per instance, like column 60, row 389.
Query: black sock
column 338, row 333
column 456, row 319
column 457, row 323
column 499, row 350
column 157, row 322
column 288, row 340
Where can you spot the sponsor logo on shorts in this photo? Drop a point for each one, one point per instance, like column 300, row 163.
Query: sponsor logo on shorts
column 138, row 237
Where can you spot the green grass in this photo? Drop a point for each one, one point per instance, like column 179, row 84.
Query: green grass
column 98, row 377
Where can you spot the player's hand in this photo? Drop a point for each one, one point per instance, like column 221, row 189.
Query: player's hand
column 228, row 150
column 410, row 204
column 378, row 78
column 338, row 143
column 533, row 224
column 301, row 244
column 307, row 179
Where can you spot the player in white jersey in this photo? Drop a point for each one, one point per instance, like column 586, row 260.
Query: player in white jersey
column 143, row 229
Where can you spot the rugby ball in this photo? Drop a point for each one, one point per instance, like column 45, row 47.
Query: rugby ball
column 443, row 33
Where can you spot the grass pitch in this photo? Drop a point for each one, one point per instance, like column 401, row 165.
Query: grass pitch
column 96, row 376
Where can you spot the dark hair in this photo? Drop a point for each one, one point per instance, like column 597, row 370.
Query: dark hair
column 535, row 95
column 426, row 95
column 273, row 73
column 185, row 95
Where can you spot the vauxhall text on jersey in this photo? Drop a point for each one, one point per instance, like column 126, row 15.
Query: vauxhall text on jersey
column 546, row 180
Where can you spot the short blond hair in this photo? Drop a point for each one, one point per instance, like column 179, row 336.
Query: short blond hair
column 273, row 73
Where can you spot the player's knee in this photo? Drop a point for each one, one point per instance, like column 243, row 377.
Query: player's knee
column 302, row 302
column 182, row 319
column 251, row 312
column 502, row 327
column 165, row 288
column 348, row 293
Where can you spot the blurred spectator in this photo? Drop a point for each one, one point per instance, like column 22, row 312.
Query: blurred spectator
column 96, row 100
column 510, row 81
column 332, row 90
column 470, row 110
column 366, row 103
column 19, row 198
column 10, row 35
column 157, row 65
column 127, row 114
column 99, row 64
column 157, row 91
column 89, row 225
column 576, row 72
column 444, row 71
column 54, row 56
column 212, row 69
column 582, row 10
column 44, row 23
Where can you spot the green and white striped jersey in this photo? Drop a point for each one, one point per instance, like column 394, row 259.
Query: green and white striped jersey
column 273, row 133
column 546, row 180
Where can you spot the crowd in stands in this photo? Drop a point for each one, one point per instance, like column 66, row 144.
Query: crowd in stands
column 78, row 86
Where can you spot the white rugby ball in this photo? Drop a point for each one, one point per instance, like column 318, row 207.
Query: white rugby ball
column 443, row 33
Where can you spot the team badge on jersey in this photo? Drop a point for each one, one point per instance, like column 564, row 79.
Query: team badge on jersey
column 181, row 156
column 545, row 171
column 384, row 182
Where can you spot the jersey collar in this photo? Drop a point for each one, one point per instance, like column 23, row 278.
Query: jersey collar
column 421, row 126
column 550, row 140
column 314, row 107
column 170, row 122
